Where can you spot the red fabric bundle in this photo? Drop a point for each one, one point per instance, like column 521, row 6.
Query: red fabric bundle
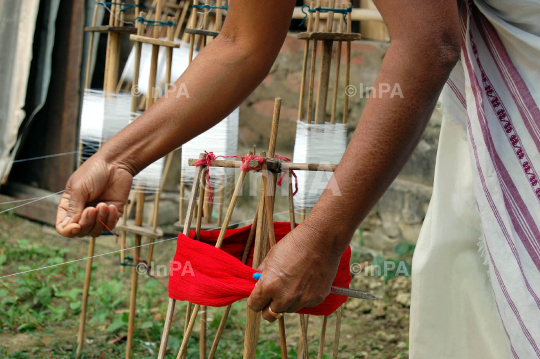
column 205, row 275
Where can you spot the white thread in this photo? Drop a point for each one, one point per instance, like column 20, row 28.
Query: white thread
column 47, row 156
column 222, row 140
column 180, row 63
column 117, row 251
column 322, row 144
column 35, row 200
column 103, row 116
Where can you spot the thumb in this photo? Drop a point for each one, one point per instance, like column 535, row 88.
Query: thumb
column 70, row 208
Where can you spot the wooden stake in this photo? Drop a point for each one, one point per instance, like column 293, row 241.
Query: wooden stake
column 303, row 345
column 324, row 73
column 180, row 22
column 347, row 71
column 321, row 340
column 192, row 36
column 123, row 240
column 219, row 242
column 336, row 80
column 88, row 80
column 86, row 290
column 187, row 226
column 135, row 275
column 304, row 67
column 312, row 68
column 337, row 333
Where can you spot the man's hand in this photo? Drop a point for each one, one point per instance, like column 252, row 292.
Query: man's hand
column 95, row 193
column 297, row 272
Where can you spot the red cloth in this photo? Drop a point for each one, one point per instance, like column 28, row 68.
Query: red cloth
column 205, row 275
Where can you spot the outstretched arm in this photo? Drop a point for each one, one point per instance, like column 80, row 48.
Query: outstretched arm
column 425, row 46
column 223, row 74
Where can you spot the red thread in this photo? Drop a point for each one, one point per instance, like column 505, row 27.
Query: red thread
column 280, row 180
column 245, row 163
column 206, row 161
column 216, row 277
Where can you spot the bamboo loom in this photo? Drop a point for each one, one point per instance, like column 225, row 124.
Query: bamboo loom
column 317, row 106
column 261, row 237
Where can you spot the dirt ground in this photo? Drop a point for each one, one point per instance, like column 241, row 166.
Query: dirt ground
column 51, row 297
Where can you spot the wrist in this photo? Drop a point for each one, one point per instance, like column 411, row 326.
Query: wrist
column 325, row 237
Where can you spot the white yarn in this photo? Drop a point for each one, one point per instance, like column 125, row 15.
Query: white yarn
column 322, row 144
column 103, row 116
column 179, row 65
column 222, row 140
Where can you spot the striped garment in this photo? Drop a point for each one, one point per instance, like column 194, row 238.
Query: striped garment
column 486, row 190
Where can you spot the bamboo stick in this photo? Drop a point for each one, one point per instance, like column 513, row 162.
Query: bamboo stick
column 338, row 63
column 192, row 36
column 309, row 117
column 123, row 240
column 303, row 345
column 221, row 237
column 347, row 71
column 322, row 338
column 189, row 217
column 337, row 333
column 86, row 290
column 135, row 275
column 245, row 257
column 88, row 80
column 324, row 72
column 304, row 67
column 180, row 22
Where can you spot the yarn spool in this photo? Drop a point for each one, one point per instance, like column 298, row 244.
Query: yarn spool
column 322, row 144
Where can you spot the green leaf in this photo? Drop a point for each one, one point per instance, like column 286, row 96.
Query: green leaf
column 23, row 243
column 147, row 324
column 75, row 305
column 25, row 326
column 3, row 258
column 114, row 326
column 402, row 248
column 44, row 296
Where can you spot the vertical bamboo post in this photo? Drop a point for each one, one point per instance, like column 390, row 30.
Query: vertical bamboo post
column 180, row 22
column 337, row 333
column 324, row 73
column 309, row 117
column 221, row 237
column 139, row 212
column 253, row 319
column 192, row 25
column 323, row 336
column 347, row 70
column 123, row 240
column 172, row 302
column 88, row 80
column 303, row 345
column 154, row 59
column 86, row 290
column 338, row 63
column 304, row 67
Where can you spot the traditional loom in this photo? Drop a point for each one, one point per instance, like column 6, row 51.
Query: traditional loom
column 107, row 112
column 261, row 237
column 315, row 128
column 223, row 137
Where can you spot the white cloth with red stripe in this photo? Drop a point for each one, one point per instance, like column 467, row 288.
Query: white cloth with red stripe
column 485, row 303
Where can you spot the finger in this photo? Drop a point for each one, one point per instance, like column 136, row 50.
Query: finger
column 67, row 230
column 112, row 218
column 258, row 299
column 102, row 214
column 87, row 221
column 71, row 204
column 267, row 315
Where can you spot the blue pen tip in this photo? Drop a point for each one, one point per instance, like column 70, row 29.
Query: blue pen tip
column 257, row 276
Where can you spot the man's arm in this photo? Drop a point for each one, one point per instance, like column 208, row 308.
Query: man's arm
column 425, row 47
column 223, row 74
